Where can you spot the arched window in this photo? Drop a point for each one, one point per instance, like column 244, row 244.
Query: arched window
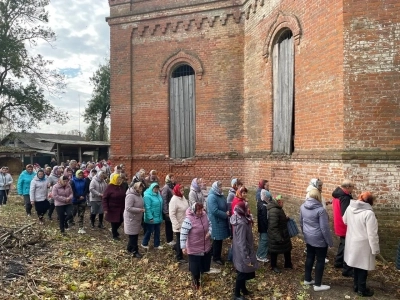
column 283, row 83
column 182, row 112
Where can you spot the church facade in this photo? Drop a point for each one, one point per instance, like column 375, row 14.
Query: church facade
column 277, row 89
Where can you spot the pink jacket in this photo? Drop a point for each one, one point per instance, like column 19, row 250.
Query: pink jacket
column 62, row 195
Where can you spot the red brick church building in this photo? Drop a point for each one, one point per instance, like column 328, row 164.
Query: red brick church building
column 278, row 89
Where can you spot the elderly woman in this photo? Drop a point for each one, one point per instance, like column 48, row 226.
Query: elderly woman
column 278, row 234
column 362, row 241
column 23, row 186
column 195, row 194
column 133, row 214
column 153, row 204
column 218, row 214
column 166, row 194
column 177, row 212
column 244, row 256
column 262, row 223
column 96, row 188
column 62, row 195
column 139, row 177
column 38, row 194
column 195, row 241
column 52, row 180
column 314, row 224
column 151, row 178
column 114, row 204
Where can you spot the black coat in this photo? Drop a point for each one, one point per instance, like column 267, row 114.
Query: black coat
column 278, row 234
column 262, row 217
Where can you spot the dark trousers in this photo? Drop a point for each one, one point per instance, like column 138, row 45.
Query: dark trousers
column 169, row 234
column 28, row 205
column 339, row 260
column 240, row 285
column 320, row 254
column 178, row 250
column 217, row 249
column 93, row 219
column 360, row 279
column 288, row 259
column 114, row 228
column 3, row 196
column 64, row 213
column 133, row 244
column 41, row 208
column 51, row 210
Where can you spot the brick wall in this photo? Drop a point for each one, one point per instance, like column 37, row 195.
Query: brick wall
column 346, row 94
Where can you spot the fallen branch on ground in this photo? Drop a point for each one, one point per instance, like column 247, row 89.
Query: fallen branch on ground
column 8, row 234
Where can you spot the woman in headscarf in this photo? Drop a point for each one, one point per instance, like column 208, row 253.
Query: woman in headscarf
column 166, row 194
column 79, row 189
column 195, row 194
column 362, row 241
column 177, row 211
column 52, row 181
column 134, row 209
column 62, row 195
column 262, row 223
column 244, row 256
column 151, row 178
column 153, row 204
column 195, row 241
column 23, row 187
column 114, row 204
column 240, row 196
column 139, row 177
column 97, row 187
column 261, row 185
column 68, row 172
column 314, row 224
column 38, row 194
column 218, row 214
column 278, row 234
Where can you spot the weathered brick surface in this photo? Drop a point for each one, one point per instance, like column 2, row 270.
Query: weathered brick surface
column 346, row 93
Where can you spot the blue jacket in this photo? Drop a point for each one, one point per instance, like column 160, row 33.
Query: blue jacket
column 78, row 189
column 216, row 210
column 153, row 205
column 315, row 224
column 24, row 182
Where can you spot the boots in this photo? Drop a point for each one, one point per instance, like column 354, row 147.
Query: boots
column 101, row 221
column 92, row 219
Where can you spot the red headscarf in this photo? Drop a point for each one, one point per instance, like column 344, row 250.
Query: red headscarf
column 177, row 190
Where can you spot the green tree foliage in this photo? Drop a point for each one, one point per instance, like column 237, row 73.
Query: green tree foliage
column 93, row 132
column 24, row 78
column 98, row 109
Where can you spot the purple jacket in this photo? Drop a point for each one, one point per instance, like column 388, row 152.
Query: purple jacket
column 194, row 231
column 314, row 224
column 62, row 195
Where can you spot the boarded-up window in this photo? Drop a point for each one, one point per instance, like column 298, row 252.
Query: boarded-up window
column 182, row 112
column 283, row 81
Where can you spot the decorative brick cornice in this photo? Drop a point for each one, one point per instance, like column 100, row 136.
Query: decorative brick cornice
column 191, row 23
column 281, row 22
column 181, row 57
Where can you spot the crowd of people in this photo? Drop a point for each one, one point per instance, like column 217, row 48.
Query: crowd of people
column 197, row 227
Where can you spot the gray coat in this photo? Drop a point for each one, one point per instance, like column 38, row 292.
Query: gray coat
column 96, row 188
column 314, row 224
column 133, row 213
column 244, row 256
column 38, row 189
column 196, row 196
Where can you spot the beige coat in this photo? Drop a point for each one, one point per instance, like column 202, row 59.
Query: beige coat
column 362, row 241
column 177, row 211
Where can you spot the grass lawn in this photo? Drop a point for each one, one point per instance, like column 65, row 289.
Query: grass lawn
column 39, row 263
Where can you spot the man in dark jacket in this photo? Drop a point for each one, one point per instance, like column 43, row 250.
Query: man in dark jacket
column 341, row 200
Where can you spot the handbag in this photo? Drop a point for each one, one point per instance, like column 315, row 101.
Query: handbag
column 292, row 228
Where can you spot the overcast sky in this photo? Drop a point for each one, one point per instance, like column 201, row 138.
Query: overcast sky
column 82, row 45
